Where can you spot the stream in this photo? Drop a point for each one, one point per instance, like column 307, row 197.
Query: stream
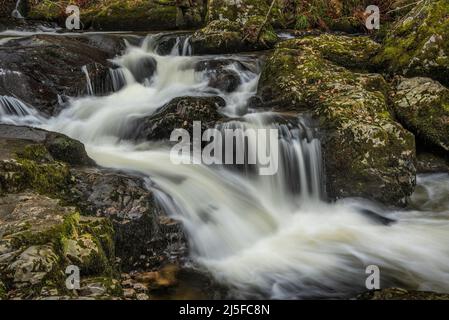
column 262, row 236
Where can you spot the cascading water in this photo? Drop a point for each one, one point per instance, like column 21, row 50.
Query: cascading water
column 89, row 87
column 264, row 236
column 14, row 111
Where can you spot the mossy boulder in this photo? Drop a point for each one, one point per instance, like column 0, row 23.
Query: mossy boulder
column 36, row 231
column 418, row 45
column 310, row 63
column 226, row 36
column 39, row 160
column 422, row 106
column 366, row 152
column 124, row 14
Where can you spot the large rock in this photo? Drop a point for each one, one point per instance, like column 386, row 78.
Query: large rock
column 180, row 113
column 125, row 14
column 418, row 44
column 366, row 152
column 290, row 70
column 41, row 70
column 422, row 106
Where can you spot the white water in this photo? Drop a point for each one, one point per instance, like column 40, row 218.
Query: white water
column 263, row 236
column 14, row 111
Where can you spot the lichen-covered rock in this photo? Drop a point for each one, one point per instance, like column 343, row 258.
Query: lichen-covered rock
column 422, row 106
column 419, row 44
column 402, row 294
column 180, row 113
column 225, row 36
column 306, row 62
column 366, row 152
column 124, row 14
column 35, row 234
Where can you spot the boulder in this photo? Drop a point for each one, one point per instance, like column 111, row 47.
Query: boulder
column 41, row 70
column 144, row 236
column 180, row 113
column 422, row 106
column 418, row 45
column 284, row 78
column 366, row 152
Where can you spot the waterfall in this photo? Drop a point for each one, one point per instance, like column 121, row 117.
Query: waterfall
column 182, row 47
column 16, row 13
column 14, row 111
column 262, row 236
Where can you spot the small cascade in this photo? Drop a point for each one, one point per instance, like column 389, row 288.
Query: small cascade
column 182, row 47
column 14, row 111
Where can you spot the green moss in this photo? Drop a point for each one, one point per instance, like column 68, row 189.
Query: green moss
column 34, row 152
column 419, row 43
column 46, row 178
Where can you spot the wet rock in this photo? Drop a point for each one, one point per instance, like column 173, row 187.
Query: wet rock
column 40, row 69
column 401, row 294
column 139, row 223
column 422, row 106
column 366, row 152
column 180, row 113
column 222, row 73
column 418, row 45
column 224, row 36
